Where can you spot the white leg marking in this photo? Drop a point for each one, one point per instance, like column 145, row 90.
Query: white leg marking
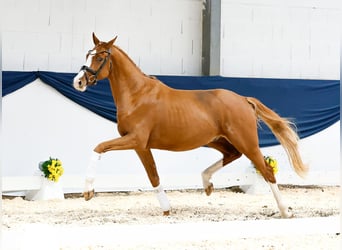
column 208, row 173
column 284, row 212
column 162, row 198
column 91, row 171
column 89, row 185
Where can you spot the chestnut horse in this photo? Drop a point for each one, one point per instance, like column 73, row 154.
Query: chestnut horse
column 151, row 115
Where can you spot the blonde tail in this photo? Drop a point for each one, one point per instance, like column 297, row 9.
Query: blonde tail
column 283, row 131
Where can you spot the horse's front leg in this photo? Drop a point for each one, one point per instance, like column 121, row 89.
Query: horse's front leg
column 89, row 190
column 147, row 160
column 125, row 142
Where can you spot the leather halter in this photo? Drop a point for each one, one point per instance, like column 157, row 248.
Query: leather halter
column 94, row 73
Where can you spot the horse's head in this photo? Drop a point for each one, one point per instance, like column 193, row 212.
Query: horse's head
column 97, row 67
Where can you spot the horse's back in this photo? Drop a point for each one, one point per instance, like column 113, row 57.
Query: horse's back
column 224, row 104
column 214, row 106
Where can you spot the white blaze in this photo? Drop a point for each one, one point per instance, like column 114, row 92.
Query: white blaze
column 81, row 74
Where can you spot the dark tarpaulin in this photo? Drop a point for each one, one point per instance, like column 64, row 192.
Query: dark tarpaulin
column 312, row 104
column 97, row 99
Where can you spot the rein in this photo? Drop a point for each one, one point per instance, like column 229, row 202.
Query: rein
column 94, row 73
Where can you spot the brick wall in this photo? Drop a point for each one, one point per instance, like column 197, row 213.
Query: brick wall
column 280, row 39
column 162, row 37
column 260, row 38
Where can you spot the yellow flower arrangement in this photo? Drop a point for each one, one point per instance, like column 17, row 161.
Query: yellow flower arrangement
column 52, row 169
column 272, row 162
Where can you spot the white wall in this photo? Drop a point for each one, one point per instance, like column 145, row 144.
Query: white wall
column 162, row 37
column 260, row 38
column 281, row 39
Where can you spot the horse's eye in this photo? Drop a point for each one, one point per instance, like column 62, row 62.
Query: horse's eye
column 99, row 59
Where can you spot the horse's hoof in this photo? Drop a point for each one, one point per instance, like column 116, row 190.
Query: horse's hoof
column 88, row 195
column 209, row 189
column 166, row 213
column 287, row 214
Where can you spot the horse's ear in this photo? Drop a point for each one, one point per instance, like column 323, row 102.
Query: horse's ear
column 111, row 42
column 95, row 39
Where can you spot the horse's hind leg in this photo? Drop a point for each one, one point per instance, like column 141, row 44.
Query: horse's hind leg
column 230, row 153
column 243, row 134
column 207, row 174
column 283, row 208
column 267, row 172
column 147, row 160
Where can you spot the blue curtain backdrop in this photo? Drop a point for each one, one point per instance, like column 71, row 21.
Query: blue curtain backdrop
column 312, row 104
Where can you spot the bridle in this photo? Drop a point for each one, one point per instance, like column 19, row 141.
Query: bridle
column 94, row 73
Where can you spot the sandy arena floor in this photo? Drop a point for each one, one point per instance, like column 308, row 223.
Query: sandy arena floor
column 133, row 220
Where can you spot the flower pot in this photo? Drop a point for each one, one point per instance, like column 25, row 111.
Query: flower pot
column 258, row 186
column 49, row 190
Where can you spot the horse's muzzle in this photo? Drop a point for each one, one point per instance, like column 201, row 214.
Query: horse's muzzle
column 79, row 84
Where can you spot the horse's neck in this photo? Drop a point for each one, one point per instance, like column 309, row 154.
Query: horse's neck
column 126, row 78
